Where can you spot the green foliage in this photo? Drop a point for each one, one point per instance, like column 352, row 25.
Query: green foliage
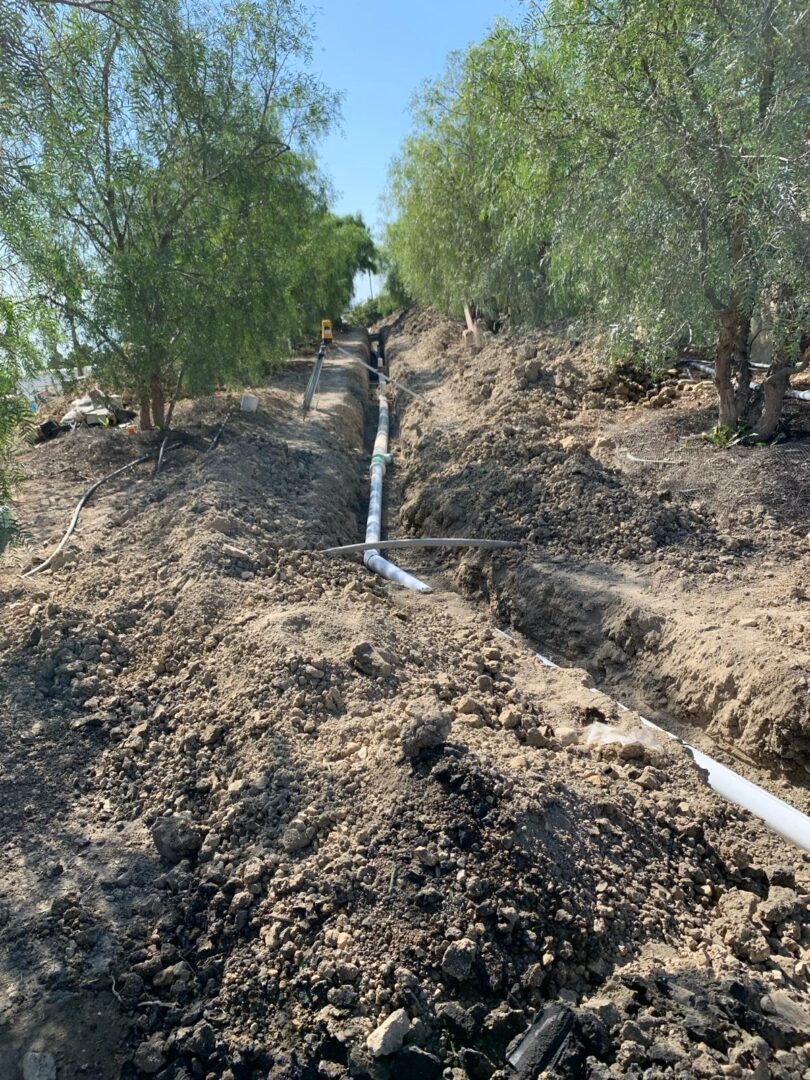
column 724, row 437
column 17, row 360
column 644, row 161
column 373, row 309
column 337, row 249
column 159, row 188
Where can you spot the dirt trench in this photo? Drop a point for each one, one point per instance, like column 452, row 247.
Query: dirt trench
column 694, row 616
column 266, row 815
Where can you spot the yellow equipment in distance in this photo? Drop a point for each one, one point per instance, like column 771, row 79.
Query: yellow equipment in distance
column 326, row 330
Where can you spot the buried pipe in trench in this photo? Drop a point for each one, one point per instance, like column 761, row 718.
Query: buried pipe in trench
column 379, row 461
column 708, row 369
column 778, row 815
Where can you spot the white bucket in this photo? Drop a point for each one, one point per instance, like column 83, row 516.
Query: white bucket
column 250, row 403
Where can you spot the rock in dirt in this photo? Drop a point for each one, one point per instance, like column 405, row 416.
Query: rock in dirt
column 539, row 1047
column 413, row 1063
column 149, row 1057
column 38, row 1065
column 202, row 1041
column 298, row 835
column 426, row 727
column 371, row 661
column 388, row 1037
column 176, row 838
column 782, row 904
column 458, row 959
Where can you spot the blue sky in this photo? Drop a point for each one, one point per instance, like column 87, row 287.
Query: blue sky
column 377, row 52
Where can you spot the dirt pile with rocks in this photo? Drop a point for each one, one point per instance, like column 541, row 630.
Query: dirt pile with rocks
column 266, row 815
column 677, row 573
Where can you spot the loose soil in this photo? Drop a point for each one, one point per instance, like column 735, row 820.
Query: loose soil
column 676, row 573
column 265, row 815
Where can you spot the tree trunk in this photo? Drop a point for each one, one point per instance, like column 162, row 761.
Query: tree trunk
column 732, row 370
column 732, row 373
column 742, row 364
column 158, row 401
column 723, row 370
column 773, row 397
column 146, row 414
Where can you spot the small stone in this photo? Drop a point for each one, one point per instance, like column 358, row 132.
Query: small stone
column 536, row 739
column 631, row 1032
column 221, row 524
column 631, row 751
column 509, row 718
column 149, row 1057
column 333, row 699
column 38, row 1065
column 202, row 1042
column 370, row 661
column 456, row 1019
column 425, row 856
column 413, row 1063
column 131, row 987
column 427, row 726
column 298, row 835
column 176, row 838
column 343, row 997
column 782, row 904
column 253, row 871
column 212, row 734
column 458, row 959
column 389, row 1036
column 605, row 1009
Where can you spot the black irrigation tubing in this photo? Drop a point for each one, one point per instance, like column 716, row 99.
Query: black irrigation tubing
column 80, row 506
column 164, row 449
column 708, row 369
column 218, row 434
column 420, row 542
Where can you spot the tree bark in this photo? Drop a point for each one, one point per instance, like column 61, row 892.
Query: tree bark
column 773, row 398
column 723, row 370
column 742, row 364
column 158, row 401
column 146, row 413
column 732, row 370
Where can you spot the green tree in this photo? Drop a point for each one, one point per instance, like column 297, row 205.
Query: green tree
column 151, row 217
column 337, row 249
column 17, row 362
column 684, row 208
column 472, row 191
column 644, row 161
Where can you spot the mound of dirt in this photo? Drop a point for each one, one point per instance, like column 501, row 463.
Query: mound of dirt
column 638, row 544
column 268, row 816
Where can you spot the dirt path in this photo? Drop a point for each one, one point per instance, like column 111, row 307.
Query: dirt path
column 265, row 815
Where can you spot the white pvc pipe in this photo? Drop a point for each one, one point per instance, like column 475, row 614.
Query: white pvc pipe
column 778, row 815
column 380, row 459
column 708, row 369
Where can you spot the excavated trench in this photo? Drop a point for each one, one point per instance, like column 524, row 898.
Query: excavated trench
column 266, row 814
column 684, row 655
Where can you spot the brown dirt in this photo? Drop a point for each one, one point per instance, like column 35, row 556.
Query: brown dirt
column 681, row 582
column 256, row 802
